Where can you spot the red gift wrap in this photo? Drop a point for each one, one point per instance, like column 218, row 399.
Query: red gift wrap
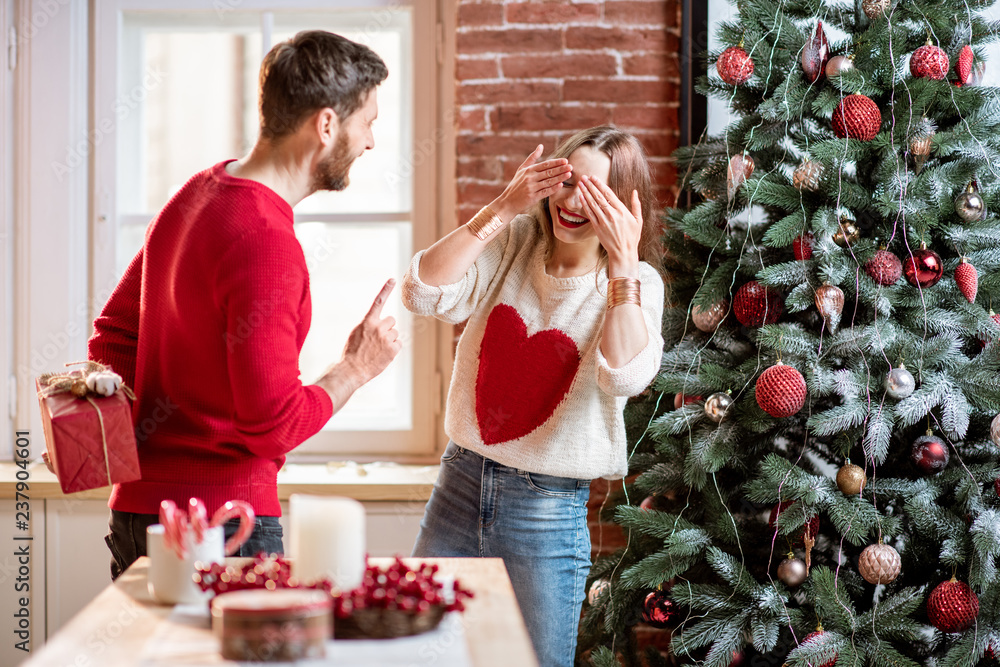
column 90, row 440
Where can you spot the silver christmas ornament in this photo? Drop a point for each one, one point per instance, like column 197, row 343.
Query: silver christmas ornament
column 970, row 205
column 792, row 572
column 717, row 406
column 899, row 383
column 837, row 65
column 995, row 430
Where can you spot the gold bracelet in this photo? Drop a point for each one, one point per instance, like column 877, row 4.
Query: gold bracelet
column 484, row 223
column 622, row 291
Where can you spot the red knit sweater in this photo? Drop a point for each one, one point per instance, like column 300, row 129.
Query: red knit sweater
column 206, row 325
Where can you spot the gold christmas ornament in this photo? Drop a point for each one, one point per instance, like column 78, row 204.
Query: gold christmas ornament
column 848, row 234
column 851, row 479
column 837, row 65
column 879, row 564
column 806, row 176
column 709, row 319
column 792, row 571
column 830, row 304
column 78, row 388
column 876, row 8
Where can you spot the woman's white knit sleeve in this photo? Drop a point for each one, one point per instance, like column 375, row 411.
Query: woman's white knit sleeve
column 454, row 303
column 632, row 378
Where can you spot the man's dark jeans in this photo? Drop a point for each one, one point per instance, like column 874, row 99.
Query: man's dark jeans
column 126, row 538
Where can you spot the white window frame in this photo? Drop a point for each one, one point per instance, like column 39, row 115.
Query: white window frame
column 8, row 404
column 63, row 263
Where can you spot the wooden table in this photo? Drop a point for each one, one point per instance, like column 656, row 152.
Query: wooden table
column 114, row 627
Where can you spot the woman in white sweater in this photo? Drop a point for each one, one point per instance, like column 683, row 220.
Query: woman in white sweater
column 563, row 307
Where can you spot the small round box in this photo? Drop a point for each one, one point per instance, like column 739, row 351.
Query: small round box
column 272, row 626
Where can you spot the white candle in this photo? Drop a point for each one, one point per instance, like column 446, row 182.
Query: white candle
column 327, row 539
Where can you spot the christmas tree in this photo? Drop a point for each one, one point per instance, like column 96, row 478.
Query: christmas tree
column 815, row 477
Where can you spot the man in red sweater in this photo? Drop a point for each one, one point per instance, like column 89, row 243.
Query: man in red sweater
column 207, row 322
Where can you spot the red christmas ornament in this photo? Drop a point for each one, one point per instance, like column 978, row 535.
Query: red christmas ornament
column 815, row 54
column 857, row 117
column 929, row 62
column 930, row 453
column 884, row 268
column 647, row 503
column 963, row 67
column 813, row 635
column 734, row 66
column 802, row 246
column 923, row 268
column 756, row 305
column 781, row 391
column 952, row 606
column 967, row 279
column 996, row 485
column 809, row 529
column 658, row 609
column 680, row 400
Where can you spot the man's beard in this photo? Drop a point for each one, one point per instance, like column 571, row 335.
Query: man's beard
column 332, row 171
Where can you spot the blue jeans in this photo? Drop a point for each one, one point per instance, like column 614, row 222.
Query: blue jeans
column 536, row 523
column 126, row 537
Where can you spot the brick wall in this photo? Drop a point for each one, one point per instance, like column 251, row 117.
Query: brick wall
column 535, row 72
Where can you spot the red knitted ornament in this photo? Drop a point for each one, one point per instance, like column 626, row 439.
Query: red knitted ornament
column 952, row 606
column 734, row 66
column 857, row 117
column 967, row 279
column 929, row 62
column 802, row 246
column 781, row 391
column 809, row 529
column 819, row 633
column 963, row 67
column 884, row 268
column 923, row 268
column 756, row 305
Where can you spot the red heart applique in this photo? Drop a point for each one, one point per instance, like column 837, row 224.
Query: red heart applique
column 521, row 379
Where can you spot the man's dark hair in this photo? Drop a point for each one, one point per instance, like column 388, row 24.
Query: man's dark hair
column 311, row 71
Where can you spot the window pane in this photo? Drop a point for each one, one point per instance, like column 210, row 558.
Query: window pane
column 348, row 264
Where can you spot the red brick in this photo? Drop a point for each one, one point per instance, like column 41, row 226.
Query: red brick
column 553, row 12
column 492, row 93
column 663, row 65
column 618, row 90
column 558, row 65
column 472, row 120
column 646, row 116
column 606, row 538
column 655, row 12
column 480, row 14
column 510, row 40
column 550, row 117
column 477, row 193
column 517, row 146
column 617, row 38
column 482, row 169
column 658, row 143
column 466, row 68
column 649, row 636
column 465, row 213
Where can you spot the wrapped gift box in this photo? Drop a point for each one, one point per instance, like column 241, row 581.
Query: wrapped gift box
column 89, row 450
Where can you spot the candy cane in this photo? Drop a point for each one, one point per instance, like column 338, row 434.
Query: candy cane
column 174, row 528
column 231, row 510
column 199, row 518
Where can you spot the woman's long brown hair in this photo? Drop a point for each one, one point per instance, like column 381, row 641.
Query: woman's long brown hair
column 629, row 171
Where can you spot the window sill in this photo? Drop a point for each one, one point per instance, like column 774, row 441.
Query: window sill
column 371, row 482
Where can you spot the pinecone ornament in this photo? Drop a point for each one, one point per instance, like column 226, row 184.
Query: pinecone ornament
column 815, row 54
column 963, row 66
column 929, row 62
column 806, row 176
column 734, row 66
column 921, row 142
column 967, row 279
column 879, row 564
column 802, row 246
column 884, row 268
column 952, row 606
column 755, row 305
column 857, row 117
column 781, row 391
column 874, row 9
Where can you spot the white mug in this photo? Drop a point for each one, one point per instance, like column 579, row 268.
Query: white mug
column 171, row 578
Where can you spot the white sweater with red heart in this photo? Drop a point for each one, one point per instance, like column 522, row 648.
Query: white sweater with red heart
column 530, row 388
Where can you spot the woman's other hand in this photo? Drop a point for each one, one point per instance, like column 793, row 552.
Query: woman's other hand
column 533, row 182
column 618, row 228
